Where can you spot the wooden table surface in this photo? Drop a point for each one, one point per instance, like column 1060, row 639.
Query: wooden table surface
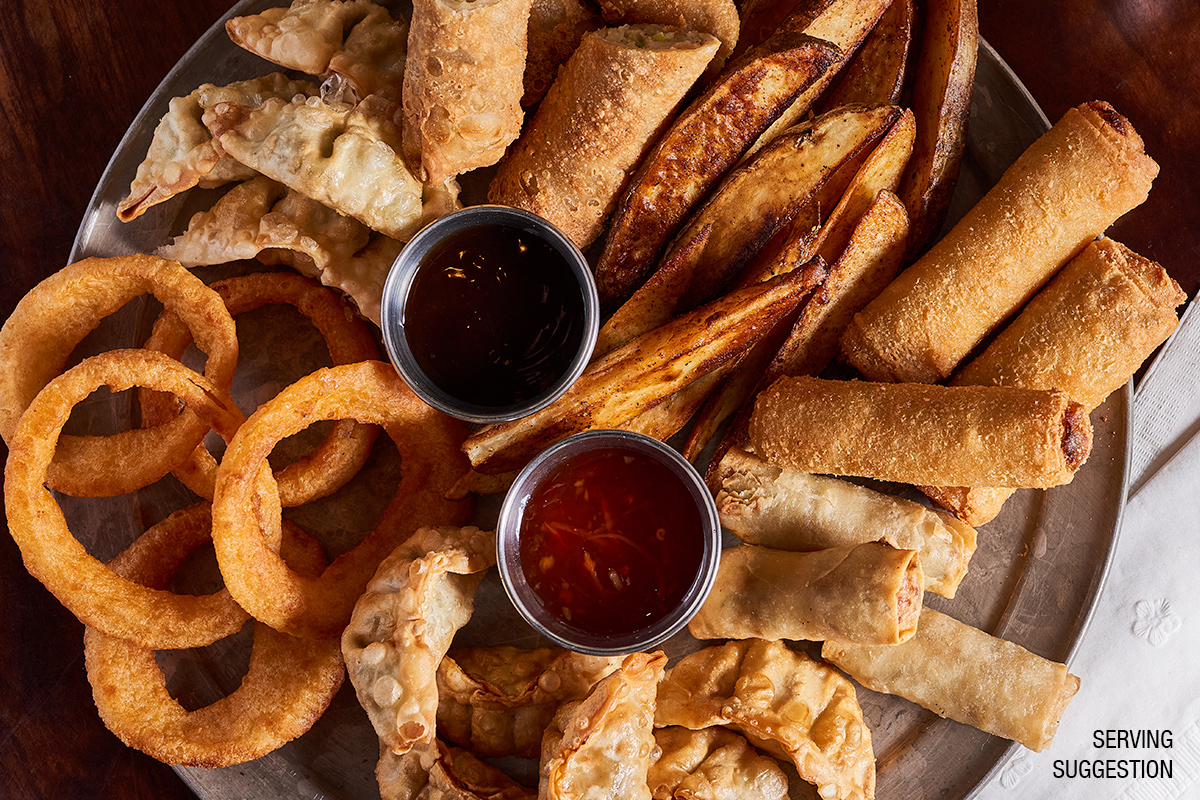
column 74, row 74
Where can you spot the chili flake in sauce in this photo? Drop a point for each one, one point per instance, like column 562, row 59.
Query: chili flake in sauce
column 611, row 541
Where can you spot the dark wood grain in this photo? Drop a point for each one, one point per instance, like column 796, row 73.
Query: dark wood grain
column 74, row 74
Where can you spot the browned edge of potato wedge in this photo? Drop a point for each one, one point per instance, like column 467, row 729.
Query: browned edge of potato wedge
column 624, row 383
column 699, row 147
column 877, row 72
column 943, row 80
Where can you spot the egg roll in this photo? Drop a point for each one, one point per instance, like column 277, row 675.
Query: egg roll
column 463, row 82
column 785, row 509
column 967, row 675
column 1062, row 192
column 1086, row 333
column 609, row 102
column 909, row 432
column 868, row 593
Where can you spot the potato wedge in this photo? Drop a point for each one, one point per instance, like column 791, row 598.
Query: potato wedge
column 626, row 382
column 876, row 74
column 942, row 85
column 757, row 200
column 869, row 261
column 699, row 147
column 844, row 24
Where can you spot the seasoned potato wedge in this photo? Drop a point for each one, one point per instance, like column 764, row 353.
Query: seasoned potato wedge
column 628, row 381
column 699, row 147
column 942, row 84
column 757, row 200
column 877, row 72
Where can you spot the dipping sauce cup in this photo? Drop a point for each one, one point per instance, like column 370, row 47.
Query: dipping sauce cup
column 490, row 313
column 608, row 542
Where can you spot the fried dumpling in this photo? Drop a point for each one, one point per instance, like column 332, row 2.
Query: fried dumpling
column 182, row 153
column 438, row 771
column 498, row 701
column 346, row 158
column 713, row 764
column 602, row 746
column 403, row 624
column 326, row 36
column 784, row 702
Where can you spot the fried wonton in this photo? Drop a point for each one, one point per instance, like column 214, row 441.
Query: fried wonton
column 603, row 745
column 784, row 702
column 347, row 158
column 498, row 701
column 403, row 624
column 355, row 41
column 556, row 28
column 182, row 153
column 263, row 219
column 437, row 771
column 713, row 764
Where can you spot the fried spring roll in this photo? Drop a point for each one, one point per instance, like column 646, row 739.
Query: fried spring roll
column 1063, row 191
column 788, row 510
column 463, row 82
column 610, row 101
column 1086, row 333
column 964, row 674
column 868, row 593
column 904, row 432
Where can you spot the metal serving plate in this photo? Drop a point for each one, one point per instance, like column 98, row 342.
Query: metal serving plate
column 1033, row 579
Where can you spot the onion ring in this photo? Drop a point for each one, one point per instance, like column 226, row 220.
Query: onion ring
column 54, row 317
column 344, row 451
column 88, row 588
column 431, row 460
column 288, row 686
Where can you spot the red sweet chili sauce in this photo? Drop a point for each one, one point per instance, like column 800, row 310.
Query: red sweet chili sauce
column 611, row 541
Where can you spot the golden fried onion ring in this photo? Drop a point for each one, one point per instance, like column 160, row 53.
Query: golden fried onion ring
column 343, row 452
column 88, row 588
column 48, row 323
column 287, row 687
column 431, row 460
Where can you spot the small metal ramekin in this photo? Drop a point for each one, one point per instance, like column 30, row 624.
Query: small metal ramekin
column 508, row 533
column 399, row 282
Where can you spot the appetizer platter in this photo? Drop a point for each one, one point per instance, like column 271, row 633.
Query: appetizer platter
column 1034, row 573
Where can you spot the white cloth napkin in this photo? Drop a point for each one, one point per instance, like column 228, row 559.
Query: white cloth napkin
column 1139, row 660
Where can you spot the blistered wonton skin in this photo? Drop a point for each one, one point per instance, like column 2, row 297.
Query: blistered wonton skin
column 784, row 702
column 263, row 219
column 602, row 746
column 347, row 158
column 463, row 83
column 438, row 771
column 403, row 624
column 555, row 29
column 498, row 701
column 713, row 764
column 182, row 153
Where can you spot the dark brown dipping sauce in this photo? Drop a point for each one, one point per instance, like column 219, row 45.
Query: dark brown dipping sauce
column 494, row 315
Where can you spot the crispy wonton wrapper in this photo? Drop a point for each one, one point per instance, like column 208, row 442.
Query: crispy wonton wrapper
column 437, row 771
column 264, row 219
column 403, row 624
column 497, row 701
column 967, row 675
column 183, row 154
column 784, row 702
column 355, row 44
column 713, row 764
column 345, row 158
column 772, row 506
column 463, row 83
column 603, row 745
